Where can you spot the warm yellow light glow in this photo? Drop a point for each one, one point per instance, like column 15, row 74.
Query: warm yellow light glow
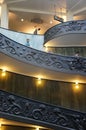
column 76, row 82
column 1, row 1
column 51, row 22
column 77, row 86
column 4, row 70
column 46, row 48
column 39, row 80
column 65, row 19
column 3, row 74
column 28, row 30
column 12, row 16
column 0, row 125
column 22, row 20
column 37, row 128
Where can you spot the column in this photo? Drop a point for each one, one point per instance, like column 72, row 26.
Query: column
column 69, row 16
column 4, row 15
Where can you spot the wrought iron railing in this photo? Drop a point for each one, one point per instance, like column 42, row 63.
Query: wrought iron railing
column 26, row 110
column 65, row 28
column 67, row 64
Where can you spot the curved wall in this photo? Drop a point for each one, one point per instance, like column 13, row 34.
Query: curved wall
column 68, row 51
column 59, row 93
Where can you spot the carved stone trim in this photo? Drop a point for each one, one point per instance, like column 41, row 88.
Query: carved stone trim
column 46, row 60
column 65, row 28
column 41, row 112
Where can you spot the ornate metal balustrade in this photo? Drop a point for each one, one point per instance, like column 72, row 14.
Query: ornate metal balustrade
column 26, row 110
column 75, row 65
column 65, row 28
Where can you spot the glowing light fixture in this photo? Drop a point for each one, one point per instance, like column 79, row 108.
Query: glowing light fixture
column 3, row 72
column 51, row 22
column 65, row 19
column 76, row 87
column 0, row 125
column 76, row 82
column 39, row 80
column 22, row 20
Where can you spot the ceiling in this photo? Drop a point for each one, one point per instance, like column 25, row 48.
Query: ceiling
column 27, row 15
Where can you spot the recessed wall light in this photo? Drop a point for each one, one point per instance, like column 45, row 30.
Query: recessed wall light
column 3, row 72
column 37, row 128
column 51, row 22
column 22, row 20
column 76, row 82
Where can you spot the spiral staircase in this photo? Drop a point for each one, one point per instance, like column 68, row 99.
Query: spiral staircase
column 30, row 62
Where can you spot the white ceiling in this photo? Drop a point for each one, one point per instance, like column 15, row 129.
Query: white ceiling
column 42, row 10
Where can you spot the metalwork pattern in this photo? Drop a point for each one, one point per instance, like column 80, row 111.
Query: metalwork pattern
column 64, row 28
column 29, row 109
column 46, row 60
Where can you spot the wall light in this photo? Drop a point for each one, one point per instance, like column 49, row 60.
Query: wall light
column 51, row 22
column 65, row 19
column 76, row 82
column 39, row 80
column 22, row 20
column 3, row 72
column 76, row 87
column 0, row 126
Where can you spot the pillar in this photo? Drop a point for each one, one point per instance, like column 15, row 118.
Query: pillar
column 4, row 15
column 69, row 16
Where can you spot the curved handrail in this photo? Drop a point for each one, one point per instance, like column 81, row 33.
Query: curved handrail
column 65, row 28
column 74, row 65
column 35, row 41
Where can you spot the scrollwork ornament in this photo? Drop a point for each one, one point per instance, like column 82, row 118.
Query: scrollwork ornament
column 78, row 64
column 30, row 109
column 58, row 65
column 67, row 27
